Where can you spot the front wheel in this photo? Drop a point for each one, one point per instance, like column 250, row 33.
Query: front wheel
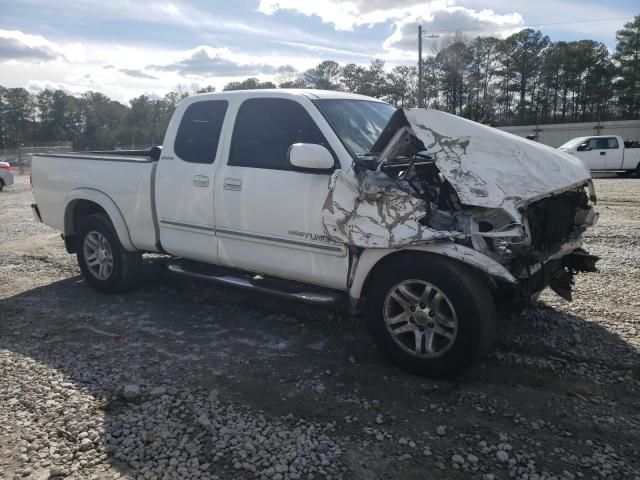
column 625, row 174
column 429, row 315
column 106, row 265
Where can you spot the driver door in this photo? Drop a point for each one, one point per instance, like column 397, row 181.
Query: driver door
column 596, row 154
column 269, row 215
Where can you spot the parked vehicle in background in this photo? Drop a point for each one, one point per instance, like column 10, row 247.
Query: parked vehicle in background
column 425, row 221
column 606, row 153
column 6, row 175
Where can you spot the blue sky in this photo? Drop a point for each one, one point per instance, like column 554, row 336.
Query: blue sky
column 128, row 47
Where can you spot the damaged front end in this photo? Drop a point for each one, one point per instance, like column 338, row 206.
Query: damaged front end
column 432, row 178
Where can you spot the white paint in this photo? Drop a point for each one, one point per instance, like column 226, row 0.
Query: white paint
column 311, row 156
column 371, row 256
column 491, row 168
column 603, row 159
column 375, row 215
column 299, row 225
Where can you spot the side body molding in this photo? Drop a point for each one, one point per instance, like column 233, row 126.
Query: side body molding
column 109, row 206
column 371, row 256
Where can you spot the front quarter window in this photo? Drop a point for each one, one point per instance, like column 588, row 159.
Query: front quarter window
column 358, row 123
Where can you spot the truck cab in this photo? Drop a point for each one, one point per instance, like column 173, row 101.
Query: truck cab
column 241, row 201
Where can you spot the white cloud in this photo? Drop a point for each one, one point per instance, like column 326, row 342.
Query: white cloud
column 19, row 46
column 442, row 16
column 179, row 13
column 210, row 62
column 344, row 15
column 442, row 23
column 135, row 73
column 119, row 70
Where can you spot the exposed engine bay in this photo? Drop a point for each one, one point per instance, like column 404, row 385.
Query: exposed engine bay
column 485, row 190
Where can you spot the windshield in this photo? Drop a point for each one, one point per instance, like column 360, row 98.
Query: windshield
column 358, row 123
column 573, row 143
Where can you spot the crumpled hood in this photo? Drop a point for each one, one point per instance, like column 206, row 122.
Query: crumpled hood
column 487, row 166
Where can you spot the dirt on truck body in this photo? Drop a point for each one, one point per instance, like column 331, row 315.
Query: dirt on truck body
column 512, row 207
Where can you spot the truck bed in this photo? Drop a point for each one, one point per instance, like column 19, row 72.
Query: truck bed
column 631, row 158
column 125, row 179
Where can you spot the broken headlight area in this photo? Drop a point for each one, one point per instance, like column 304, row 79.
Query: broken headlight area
column 557, row 219
column 541, row 246
column 554, row 254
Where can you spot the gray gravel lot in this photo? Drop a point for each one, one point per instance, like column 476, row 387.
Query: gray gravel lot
column 180, row 379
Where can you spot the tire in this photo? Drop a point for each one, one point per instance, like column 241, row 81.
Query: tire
column 98, row 239
column 1, row 184
column 626, row 174
column 453, row 293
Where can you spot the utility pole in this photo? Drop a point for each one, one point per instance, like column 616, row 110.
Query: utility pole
column 419, row 66
column 420, row 36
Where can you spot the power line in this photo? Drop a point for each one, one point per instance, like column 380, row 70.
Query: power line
column 533, row 25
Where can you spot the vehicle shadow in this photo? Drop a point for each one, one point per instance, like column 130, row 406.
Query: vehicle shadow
column 146, row 381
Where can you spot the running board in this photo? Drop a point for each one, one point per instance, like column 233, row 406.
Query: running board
column 257, row 283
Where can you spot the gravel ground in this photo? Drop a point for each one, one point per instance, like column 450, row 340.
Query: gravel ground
column 180, row 379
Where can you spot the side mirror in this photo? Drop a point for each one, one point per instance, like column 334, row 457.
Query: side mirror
column 155, row 153
column 310, row 156
column 583, row 148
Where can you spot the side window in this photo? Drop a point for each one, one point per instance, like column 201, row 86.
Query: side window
column 199, row 131
column 612, row 143
column 598, row 144
column 265, row 129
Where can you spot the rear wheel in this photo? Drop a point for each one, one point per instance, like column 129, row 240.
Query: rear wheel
column 429, row 315
column 1, row 184
column 106, row 265
column 625, row 174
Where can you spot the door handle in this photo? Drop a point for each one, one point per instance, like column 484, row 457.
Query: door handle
column 200, row 181
column 234, row 184
column 603, row 153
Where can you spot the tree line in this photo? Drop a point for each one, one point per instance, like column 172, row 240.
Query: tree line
column 522, row 79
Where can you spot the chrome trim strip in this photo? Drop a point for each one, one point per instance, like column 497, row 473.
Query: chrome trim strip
column 104, row 157
column 258, row 236
column 188, row 225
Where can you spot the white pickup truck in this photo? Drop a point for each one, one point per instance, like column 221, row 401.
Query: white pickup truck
column 606, row 153
column 429, row 223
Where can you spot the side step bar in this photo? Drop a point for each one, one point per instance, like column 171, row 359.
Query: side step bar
column 256, row 283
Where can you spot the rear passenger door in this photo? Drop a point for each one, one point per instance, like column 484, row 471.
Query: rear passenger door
column 614, row 154
column 185, row 180
column 268, row 215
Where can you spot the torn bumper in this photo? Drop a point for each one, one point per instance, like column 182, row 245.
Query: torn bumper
column 558, row 273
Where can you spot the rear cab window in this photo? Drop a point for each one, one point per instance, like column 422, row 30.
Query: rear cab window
column 199, row 131
column 264, row 130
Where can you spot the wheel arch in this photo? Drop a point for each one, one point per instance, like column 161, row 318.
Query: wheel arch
column 372, row 260
column 86, row 201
